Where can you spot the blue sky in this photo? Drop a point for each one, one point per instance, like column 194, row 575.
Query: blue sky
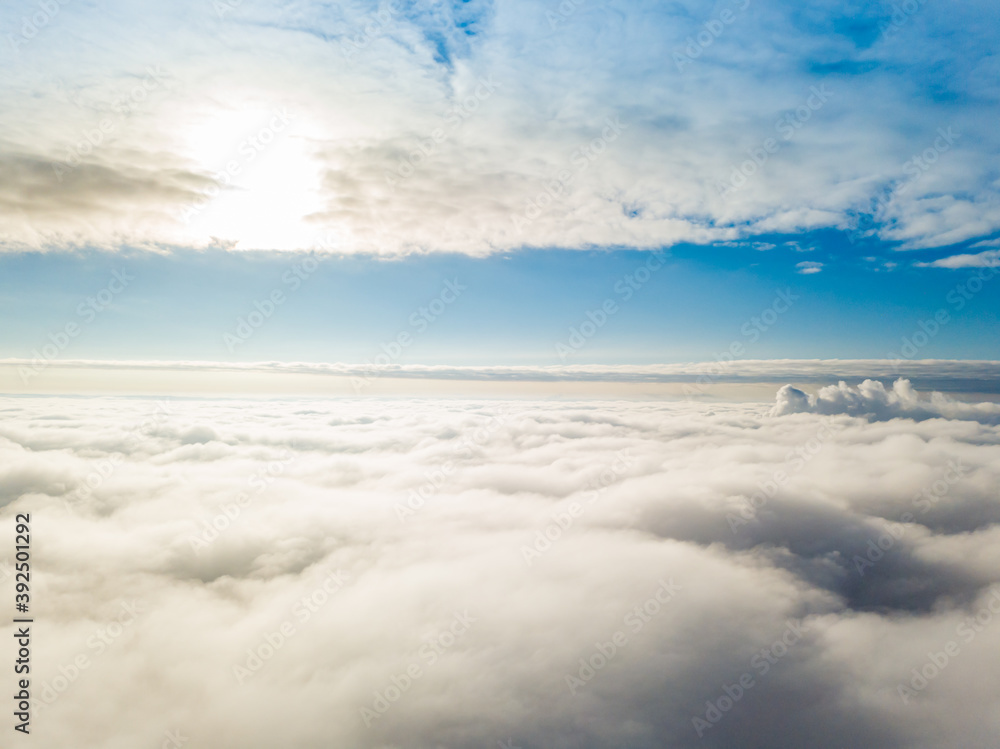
column 538, row 152
column 514, row 309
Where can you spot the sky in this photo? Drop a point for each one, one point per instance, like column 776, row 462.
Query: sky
column 537, row 154
column 511, row 308
column 525, row 373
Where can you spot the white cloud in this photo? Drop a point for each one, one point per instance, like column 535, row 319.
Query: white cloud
column 807, row 267
column 475, row 162
column 871, row 398
column 986, row 259
column 758, row 521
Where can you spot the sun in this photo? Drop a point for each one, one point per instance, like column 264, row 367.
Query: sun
column 265, row 179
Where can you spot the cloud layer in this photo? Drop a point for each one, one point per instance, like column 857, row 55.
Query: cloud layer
column 479, row 127
column 382, row 573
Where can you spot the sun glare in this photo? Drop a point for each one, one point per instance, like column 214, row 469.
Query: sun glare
column 265, row 180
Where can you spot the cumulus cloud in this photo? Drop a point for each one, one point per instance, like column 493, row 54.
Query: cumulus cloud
column 425, row 573
column 872, row 399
